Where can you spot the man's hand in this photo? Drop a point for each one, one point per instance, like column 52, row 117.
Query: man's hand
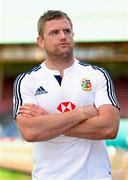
column 31, row 110
column 88, row 111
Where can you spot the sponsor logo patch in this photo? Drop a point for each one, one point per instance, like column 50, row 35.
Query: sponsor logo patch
column 66, row 106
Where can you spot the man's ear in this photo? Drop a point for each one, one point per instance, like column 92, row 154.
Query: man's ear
column 40, row 42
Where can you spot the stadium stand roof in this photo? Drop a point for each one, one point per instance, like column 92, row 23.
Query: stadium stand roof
column 94, row 21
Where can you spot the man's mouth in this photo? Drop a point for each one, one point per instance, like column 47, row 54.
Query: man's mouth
column 63, row 44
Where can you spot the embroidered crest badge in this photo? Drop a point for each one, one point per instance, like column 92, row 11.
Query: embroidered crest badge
column 86, row 84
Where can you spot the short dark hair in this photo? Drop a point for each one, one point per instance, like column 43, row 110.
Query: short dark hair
column 50, row 15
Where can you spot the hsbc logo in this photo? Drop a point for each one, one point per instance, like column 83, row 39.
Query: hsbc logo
column 66, row 106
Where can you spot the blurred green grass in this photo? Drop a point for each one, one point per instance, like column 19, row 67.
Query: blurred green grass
column 13, row 175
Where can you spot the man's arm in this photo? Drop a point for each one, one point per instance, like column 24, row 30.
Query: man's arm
column 35, row 124
column 103, row 126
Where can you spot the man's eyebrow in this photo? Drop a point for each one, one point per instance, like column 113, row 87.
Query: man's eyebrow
column 53, row 30
column 69, row 29
column 57, row 30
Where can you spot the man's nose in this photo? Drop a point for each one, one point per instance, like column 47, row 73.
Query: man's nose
column 62, row 35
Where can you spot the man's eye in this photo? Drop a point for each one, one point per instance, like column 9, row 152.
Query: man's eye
column 54, row 32
column 67, row 31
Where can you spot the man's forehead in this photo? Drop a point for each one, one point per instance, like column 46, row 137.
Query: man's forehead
column 62, row 23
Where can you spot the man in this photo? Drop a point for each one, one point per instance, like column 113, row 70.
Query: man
column 66, row 108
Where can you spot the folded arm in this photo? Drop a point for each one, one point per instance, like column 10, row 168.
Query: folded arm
column 103, row 126
column 35, row 124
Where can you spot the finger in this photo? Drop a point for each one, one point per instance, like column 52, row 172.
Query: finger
column 26, row 107
column 39, row 110
column 34, row 109
column 29, row 105
column 26, row 115
column 27, row 112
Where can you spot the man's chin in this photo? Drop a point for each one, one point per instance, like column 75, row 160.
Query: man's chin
column 65, row 51
column 65, row 55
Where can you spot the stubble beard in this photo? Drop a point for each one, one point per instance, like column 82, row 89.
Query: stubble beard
column 65, row 55
column 61, row 55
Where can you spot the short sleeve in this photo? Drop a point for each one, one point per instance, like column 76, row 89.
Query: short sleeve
column 22, row 92
column 105, row 92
